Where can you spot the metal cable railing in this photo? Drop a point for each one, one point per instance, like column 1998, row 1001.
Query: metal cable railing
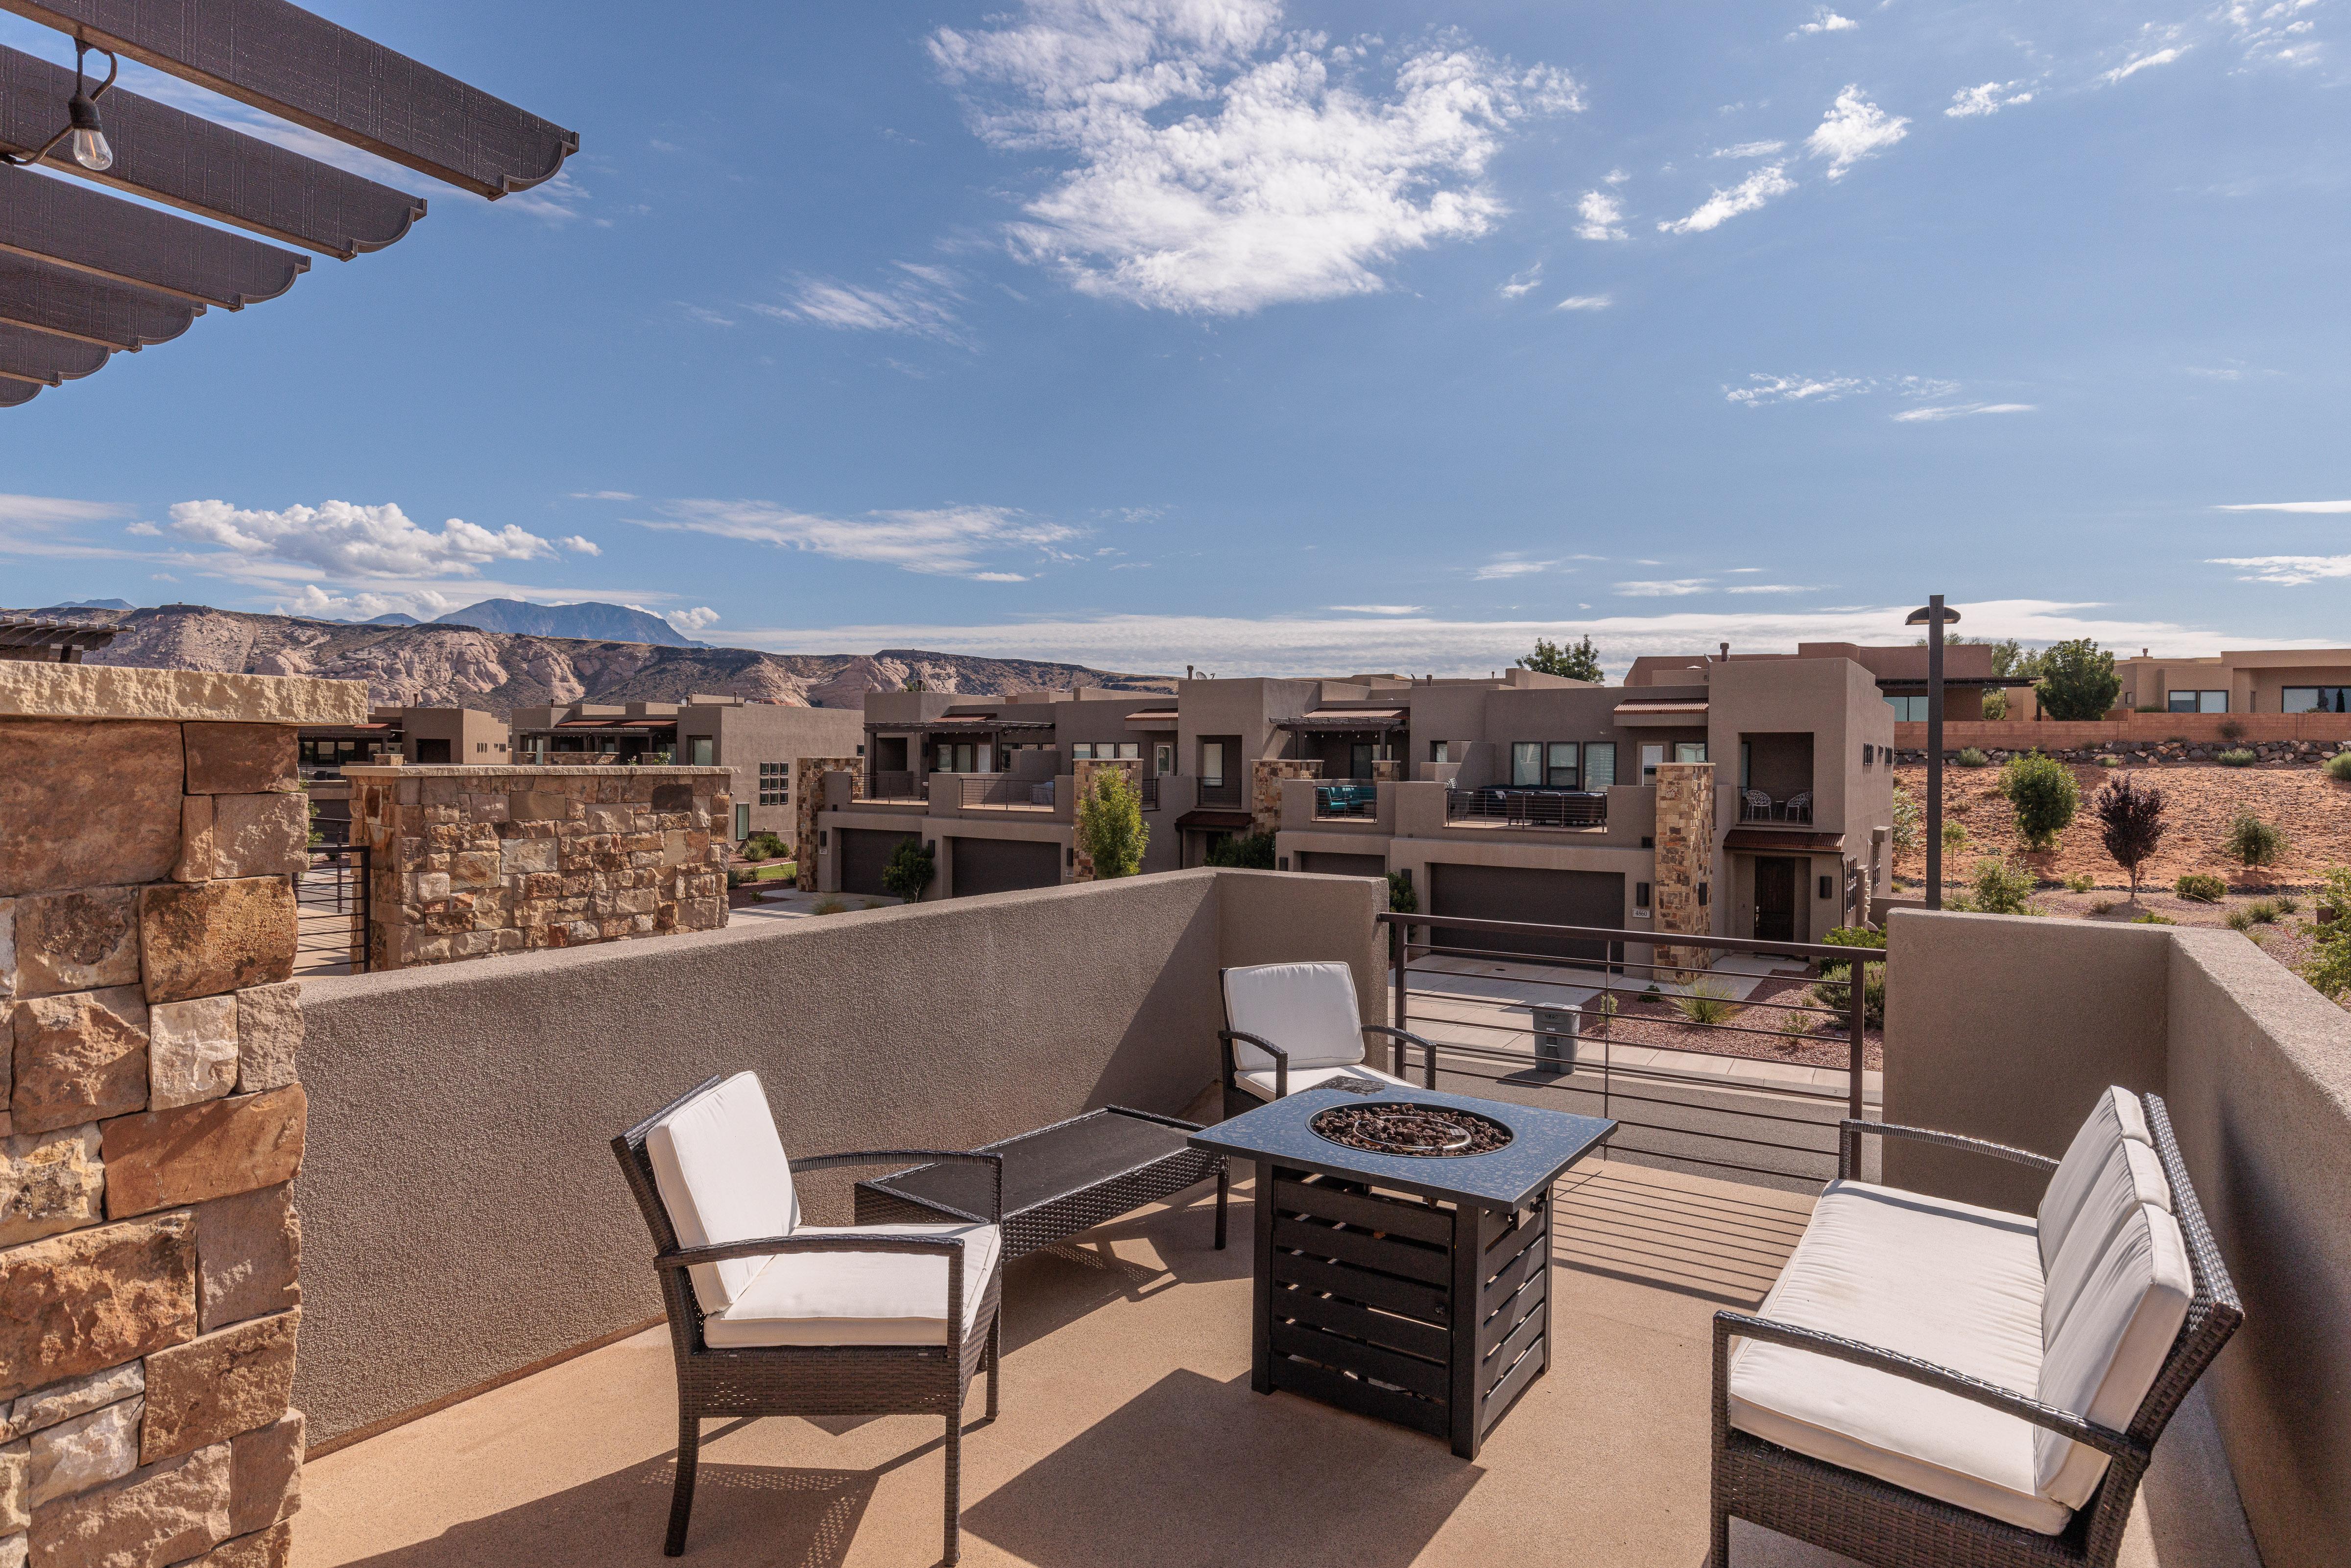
column 1527, row 807
column 331, row 911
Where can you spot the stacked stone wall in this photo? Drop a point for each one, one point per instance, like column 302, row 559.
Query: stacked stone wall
column 808, row 799
column 1265, row 776
column 464, row 862
column 1082, row 786
column 151, row 828
column 1684, row 846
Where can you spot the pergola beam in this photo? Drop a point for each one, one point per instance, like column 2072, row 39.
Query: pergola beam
column 196, row 165
column 68, row 223
column 89, row 309
column 285, row 61
column 46, row 359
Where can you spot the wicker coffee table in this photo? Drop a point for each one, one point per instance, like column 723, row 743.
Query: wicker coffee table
column 1058, row 1180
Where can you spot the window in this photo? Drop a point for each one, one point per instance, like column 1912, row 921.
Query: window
column 1908, row 709
column 1651, row 755
column 1163, row 757
column 1081, row 751
column 1562, row 769
column 1747, row 765
column 775, row 783
column 1689, row 750
column 742, row 823
column 1437, row 751
column 1640, row 898
column 702, row 751
column 1212, row 761
column 2199, row 702
column 1526, row 763
column 1599, row 765
column 2316, row 699
column 1128, row 751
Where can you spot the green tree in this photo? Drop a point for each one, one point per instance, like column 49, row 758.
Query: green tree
column 1110, row 825
column 1908, row 816
column 2012, row 661
column 2042, row 792
column 2077, row 681
column 912, row 866
column 2329, row 968
column 1243, row 851
column 1402, row 900
column 1580, row 663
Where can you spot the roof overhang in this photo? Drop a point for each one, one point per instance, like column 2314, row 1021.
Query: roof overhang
column 58, row 634
column 1777, row 842
column 1159, row 718
column 1341, row 721
column 1677, row 715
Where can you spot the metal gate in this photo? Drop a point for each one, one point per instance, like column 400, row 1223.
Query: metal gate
column 331, row 911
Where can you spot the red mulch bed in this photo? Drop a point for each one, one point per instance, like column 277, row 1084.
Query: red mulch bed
column 1653, row 1022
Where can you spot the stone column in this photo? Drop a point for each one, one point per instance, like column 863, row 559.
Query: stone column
column 808, row 799
column 151, row 827
column 1265, row 788
column 1685, row 860
column 1081, row 785
column 1387, row 770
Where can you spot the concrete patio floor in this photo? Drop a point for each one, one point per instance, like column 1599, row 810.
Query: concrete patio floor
column 1129, row 1435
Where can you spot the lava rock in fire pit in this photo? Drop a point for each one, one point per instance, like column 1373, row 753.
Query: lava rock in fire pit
column 1402, row 1128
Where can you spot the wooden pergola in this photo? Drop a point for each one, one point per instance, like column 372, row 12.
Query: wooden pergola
column 85, row 275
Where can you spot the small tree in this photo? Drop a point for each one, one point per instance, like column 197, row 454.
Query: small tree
column 2077, row 681
column 1580, row 663
column 1111, row 829
column 1402, row 899
column 2329, row 968
column 2043, row 793
column 2002, row 889
column 1908, row 816
column 912, row 866
column 2130, row 823
column 2254, row 842
column 1995, row 703
column 1243, row 851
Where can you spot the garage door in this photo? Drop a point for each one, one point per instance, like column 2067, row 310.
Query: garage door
column 1521, row 892
column 1343, row 865
column 1005, row 865
column 864, row 851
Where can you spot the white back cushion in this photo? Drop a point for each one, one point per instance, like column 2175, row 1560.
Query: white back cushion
column 1307, row 1009
column 2106, row 1352
column 2132, row 1176
column 2117, row 1118
column 721, row 1175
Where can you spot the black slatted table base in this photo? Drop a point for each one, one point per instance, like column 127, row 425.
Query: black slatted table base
column 1432, row 1315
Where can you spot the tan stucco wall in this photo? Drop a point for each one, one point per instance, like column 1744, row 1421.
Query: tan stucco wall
column 464, row 1215
column 2007, row 1027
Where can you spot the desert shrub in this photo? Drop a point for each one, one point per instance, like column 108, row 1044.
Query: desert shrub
column 763, row 846
column 831, row 906
column 2287, row 904
column 1995, row 703
column 1838, row 995
column 2152, row 919
column 2254, row 842
column 1955, row 837
column 2262, row 911
column 2240, row 918
column 1708, row 1001
column 2231, row 730
column 2338, row 766
column 2235, row 756
column 1999, row 888
column 1402, row 900
column 2110, row 761
column 2080, row 882
column 2200, row 887
column 1110, row 827
column 2329, row 968
column 2042, row 792
column 1794, row 1024
column 2130, row 823
column 912, row 866
column 2101, row 905
column 1243, row 851
column 1908, row 815
column 1849, row 936
column 1972, row 756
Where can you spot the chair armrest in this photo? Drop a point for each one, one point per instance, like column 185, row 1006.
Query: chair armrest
column 915, row 1157
column 2064, row 1423
column 1851, row 1131
column 1403, row 1036
column 1281, row 1060
column 770, row 1245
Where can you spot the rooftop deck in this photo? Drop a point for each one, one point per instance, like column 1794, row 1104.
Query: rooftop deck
column 1129, row 1435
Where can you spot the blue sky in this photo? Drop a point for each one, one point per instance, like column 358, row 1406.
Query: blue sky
column 1279, row 338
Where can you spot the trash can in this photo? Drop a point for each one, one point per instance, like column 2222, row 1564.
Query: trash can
column 1556, row 1031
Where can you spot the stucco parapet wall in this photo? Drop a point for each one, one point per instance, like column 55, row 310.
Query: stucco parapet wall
column 29, row 690
column 532, row 771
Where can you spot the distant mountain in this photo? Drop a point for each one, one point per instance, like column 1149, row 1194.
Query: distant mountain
column 438, row 665
column 83, row 604
column 590, row 623
column 396, row 618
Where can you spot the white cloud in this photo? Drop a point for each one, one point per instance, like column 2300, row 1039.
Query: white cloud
column 1959, row 410
column 1924, row 386
column 1853, row 129
column 1675, row 588
column 1826, row 21
column 347, row 542
column 1794, row 389
column 1748, row 150
column 1601, row 214
column 1221, row 162
column 2286, row 506
column 144, row 530
column 319, row 605
column 2131, row 68
column 1378, row 609
column 2289, row 571
column 556, row 201
column 1773, row 588
column 686, row 623
column 1989, row 98
column 47, row 511
column 920, row 302
column 2274, row 31
column 580, row 545
column 1585, row 302
column 1509, row 566
column 602, row 496
column 1749, row 194
column 949, row 541
column 1523, row 282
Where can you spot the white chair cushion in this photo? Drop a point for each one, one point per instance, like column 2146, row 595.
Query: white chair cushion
column 1944, row 1281
column 2132, row 1176
column 1308, row 1010
column 2117, row 1118
column 1262, row 1084
column 721, row 1175
column 857, row 1298
column 2107, row 1352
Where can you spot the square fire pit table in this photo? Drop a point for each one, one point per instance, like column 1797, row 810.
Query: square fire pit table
column 1411, row 1286
column 1058, row 1180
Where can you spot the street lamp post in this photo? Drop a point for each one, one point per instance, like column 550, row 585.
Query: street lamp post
column 1934, row 617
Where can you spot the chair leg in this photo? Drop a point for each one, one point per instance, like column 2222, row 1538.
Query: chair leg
column 955, row 1487
column 995, row 1360
column 1719, row 1554
column 681, row 1501
column 1224, row 1190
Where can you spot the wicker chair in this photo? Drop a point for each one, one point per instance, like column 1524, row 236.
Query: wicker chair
column 886, row 1320
column 1312, row 1008
column 1799, row 808
column 1754, row 806
column 2067, row 1506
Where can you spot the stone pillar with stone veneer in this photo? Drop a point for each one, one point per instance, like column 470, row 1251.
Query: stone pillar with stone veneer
column 151, row 827
column 808, row 799
column 1081, row 788
column 1684, row 846
column 1265, row 776
column 464, row 862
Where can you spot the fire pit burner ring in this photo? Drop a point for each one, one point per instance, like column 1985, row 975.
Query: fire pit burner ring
column 1401, row 1127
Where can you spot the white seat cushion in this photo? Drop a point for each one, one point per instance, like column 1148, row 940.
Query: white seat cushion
column 2117, row 1118
column 1310, row 1011
column 857, row 1298
column 1262, row 1084
column 721, row 1175
column 1944, row 1281
column 2105, row 1355
column 2132, row 1176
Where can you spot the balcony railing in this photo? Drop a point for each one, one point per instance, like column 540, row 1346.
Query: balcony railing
column 1569, row 808
column 1756, row 805
column 1336, row 802
column 1150, row 793
column 1003, row 792
column 1220, row 792
column 894, row 786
